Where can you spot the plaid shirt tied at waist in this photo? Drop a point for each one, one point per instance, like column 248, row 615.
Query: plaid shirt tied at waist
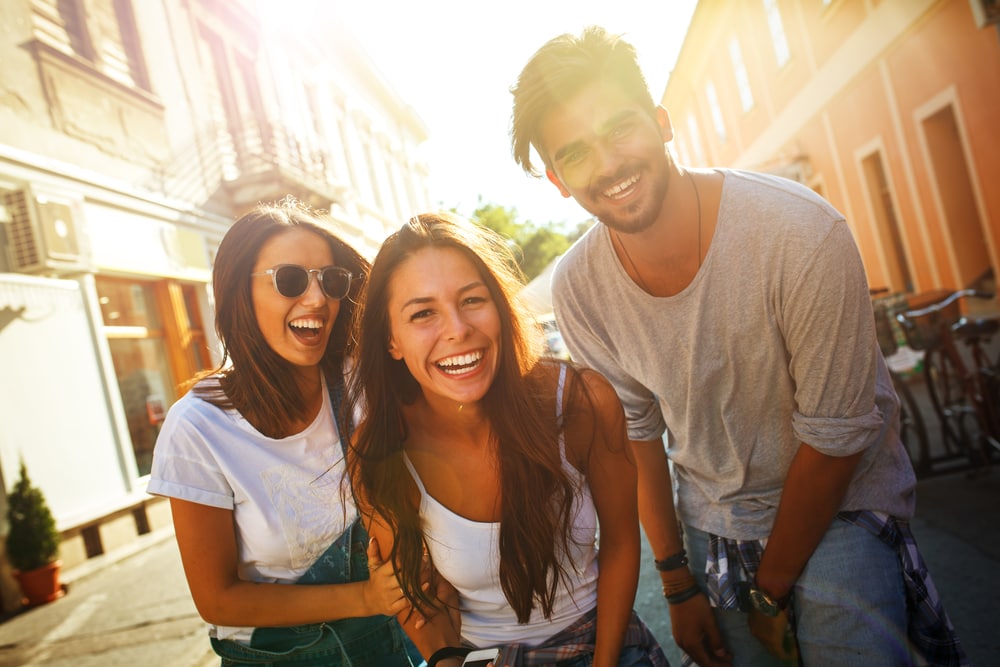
column 732, row 564
column 579, row 639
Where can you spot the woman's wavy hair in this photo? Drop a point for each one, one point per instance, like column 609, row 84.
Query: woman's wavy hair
column 259, row 382
column 536, row 492
column 559, row 70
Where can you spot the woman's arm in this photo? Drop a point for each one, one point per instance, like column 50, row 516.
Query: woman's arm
column 611, row 474
column 207, row 541
column 429, row 631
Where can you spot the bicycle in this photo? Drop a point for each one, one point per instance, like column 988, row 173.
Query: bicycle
column 964, row 396
column 912, row 430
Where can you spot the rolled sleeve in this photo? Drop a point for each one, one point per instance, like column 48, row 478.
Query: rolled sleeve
column 839, row 437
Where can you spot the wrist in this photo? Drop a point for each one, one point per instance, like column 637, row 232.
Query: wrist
column 674, row 576
column 673, row 562
column 761, row 600
column 777, row 588
column 683, row 595
column 448, row 656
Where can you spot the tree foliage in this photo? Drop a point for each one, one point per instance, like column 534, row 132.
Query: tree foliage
column 534, row 246
column 32, row 539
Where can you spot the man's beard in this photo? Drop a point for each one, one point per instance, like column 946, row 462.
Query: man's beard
column 640, row 215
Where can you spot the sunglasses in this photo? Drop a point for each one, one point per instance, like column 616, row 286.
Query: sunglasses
column 292, row 280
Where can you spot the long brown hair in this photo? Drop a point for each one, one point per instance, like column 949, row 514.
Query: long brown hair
column 536, row 492
column 259, row 382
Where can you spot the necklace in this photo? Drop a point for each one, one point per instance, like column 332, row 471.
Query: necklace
column 635, row 269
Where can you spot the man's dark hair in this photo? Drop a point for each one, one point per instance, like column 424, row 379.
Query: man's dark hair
column 558, row 71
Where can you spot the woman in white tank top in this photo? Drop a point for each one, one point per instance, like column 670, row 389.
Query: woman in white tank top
column 502, row 467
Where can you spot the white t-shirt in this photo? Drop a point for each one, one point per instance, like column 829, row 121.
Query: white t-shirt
column 289, row 497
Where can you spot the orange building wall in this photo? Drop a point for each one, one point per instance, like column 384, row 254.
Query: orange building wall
column 949, row 225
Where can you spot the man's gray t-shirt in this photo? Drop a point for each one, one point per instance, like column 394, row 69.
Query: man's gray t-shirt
column 772, row 344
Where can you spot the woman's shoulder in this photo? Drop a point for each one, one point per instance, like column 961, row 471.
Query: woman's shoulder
column 199, row 404
column 582, row 387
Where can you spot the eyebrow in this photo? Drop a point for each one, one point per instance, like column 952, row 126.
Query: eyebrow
column 602, row 130
column 419, row 300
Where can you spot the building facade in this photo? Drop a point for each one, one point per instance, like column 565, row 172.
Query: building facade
column 888, row 108
column 132, row 134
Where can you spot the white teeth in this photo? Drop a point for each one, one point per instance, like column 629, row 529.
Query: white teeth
column 624, row 185
column 307, row 323
column 460, row 362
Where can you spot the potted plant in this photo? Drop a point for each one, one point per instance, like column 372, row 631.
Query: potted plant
column 33, row 543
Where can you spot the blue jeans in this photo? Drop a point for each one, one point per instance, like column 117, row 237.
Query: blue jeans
column 849, row 604
column 376, row 641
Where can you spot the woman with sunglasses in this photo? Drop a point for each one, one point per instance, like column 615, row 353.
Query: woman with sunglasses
column 503, row 466
column 252, row 459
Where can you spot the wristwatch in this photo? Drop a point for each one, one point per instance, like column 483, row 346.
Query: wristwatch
column 764, row 603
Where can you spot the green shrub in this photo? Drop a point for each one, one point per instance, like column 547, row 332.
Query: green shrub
column 32, row 540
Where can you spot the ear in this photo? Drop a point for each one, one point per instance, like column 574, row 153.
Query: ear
column 551, row 175
column 666, row 128
column 394, row 351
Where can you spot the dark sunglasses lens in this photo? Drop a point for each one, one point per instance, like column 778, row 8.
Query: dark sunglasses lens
column 336, row 283
column 291, row 281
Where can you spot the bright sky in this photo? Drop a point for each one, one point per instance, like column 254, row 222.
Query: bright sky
column 455, row 60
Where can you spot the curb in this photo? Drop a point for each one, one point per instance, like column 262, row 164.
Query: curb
column 98, row 563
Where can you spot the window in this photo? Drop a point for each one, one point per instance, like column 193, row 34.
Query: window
column 243, row 139
column 716, row 110
column 694, row 139
column 740, row 71
column 135, row 335
column 156, row 337
column 101, row 32
column 777, row 28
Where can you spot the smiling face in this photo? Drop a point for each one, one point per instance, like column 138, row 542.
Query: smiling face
column 604, row 150
column 444, row 325
column 298, row 328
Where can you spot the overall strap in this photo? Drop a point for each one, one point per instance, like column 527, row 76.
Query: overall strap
column 335, row 386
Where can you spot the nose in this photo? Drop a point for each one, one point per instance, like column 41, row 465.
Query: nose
column 314, row 293
column 606, row 159
column 456, row 326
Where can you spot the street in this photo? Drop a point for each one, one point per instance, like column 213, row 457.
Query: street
column 134, row 611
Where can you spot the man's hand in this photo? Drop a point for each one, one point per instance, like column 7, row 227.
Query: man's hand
column 697, row 634
column 776, row 634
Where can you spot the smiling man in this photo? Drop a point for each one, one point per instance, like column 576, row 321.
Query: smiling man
column 732, row 308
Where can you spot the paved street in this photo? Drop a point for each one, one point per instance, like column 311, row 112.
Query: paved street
column 133, row 608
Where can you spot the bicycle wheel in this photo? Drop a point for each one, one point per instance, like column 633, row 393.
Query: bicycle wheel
column 960, row 430
column 912, row 431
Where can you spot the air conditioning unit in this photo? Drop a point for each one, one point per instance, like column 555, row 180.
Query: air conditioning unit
column 44, row 232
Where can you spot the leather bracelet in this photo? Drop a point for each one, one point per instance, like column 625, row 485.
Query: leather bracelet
column 675, row 562
column 447, row 652
column 675, row 587
column 683, row 596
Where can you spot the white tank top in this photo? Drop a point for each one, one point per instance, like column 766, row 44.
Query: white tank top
column 467, row 554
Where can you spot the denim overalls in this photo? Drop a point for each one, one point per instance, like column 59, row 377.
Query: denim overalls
column 350, row 642
column 373, row 641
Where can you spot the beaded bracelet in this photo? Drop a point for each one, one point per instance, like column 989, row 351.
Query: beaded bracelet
column 683, row 596
column 677, row 561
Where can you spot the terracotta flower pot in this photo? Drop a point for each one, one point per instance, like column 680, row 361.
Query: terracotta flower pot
column 40, row 585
